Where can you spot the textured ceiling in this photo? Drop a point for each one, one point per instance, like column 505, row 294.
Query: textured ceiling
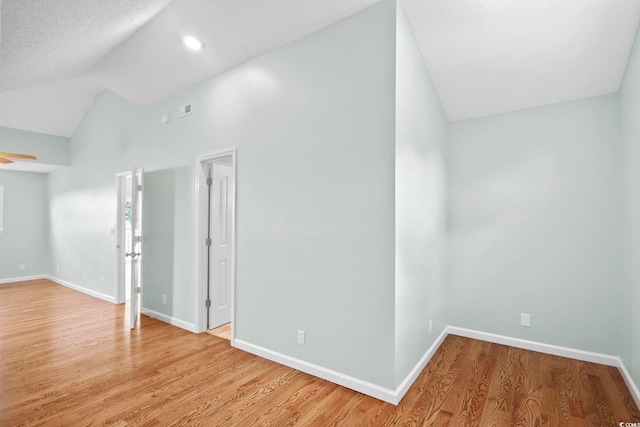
column 46, row 49
column 484, row 56
column 492, row 56
column 49, row 40
column 153, row 63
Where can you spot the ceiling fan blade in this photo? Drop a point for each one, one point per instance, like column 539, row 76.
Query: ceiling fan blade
column 3, row 160
column 18, row 156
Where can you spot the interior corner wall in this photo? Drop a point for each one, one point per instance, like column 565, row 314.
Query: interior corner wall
column 420, row 197
column 534, row 224
column 313, row 125
column 629, row 296
column 23, row 240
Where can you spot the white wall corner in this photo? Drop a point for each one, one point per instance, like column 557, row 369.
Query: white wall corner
column 387, row 395
column 406, row 384
column 84, row 290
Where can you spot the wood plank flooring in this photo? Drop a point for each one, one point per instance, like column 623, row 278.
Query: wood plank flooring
column 67, row 359
column 223, row 331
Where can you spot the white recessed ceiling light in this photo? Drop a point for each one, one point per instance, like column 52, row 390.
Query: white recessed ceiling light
column 192, row 42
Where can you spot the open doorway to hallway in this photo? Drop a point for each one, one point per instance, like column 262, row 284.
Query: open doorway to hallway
column 215, row 255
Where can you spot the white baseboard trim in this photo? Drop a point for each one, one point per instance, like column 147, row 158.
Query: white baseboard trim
column 22, row 279
column 633, row 388
column 385, row 394
column 586, row 356
column 335, row 377
column 168, row 319
column 75, row 287
column 405, row 385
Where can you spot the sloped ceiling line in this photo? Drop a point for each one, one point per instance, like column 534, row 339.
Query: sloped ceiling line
column 484, row 56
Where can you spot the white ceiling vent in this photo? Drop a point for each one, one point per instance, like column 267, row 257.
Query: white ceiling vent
column 184, row 110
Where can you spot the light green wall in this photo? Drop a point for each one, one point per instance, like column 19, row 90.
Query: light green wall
column 82, row 198
column 629, row 301
column 24, row 239
column 166, row 223
column 313, row 123
column 421, row 135
column 48, row 149
column 330, row 131
column 315, row 189
column 534, row 224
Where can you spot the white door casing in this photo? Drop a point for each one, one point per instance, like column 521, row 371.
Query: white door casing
column 221, row 249
column 135, row 251
column 203, row 165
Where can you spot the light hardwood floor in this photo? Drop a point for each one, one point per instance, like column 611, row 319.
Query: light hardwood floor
column 223, row 331
column 67, row 359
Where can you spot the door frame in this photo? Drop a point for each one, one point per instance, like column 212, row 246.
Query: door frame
column 121, row 195
column 137, row 220
column 202, row 212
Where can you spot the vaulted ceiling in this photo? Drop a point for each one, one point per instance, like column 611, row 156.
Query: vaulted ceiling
column 484, row 56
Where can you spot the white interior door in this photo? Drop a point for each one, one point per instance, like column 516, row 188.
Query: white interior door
column 135, row 245
column 221, row 247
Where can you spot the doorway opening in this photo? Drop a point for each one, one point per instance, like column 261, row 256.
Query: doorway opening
column 129, row 243
column 215, row 242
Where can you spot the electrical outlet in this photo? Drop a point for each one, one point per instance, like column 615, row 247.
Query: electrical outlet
column 102, row 281
column 21, row 267
column 300, row 337
column 430, row 326
column 164, row 299
column 525, row 320
column 79, row 275
column 57, row 269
